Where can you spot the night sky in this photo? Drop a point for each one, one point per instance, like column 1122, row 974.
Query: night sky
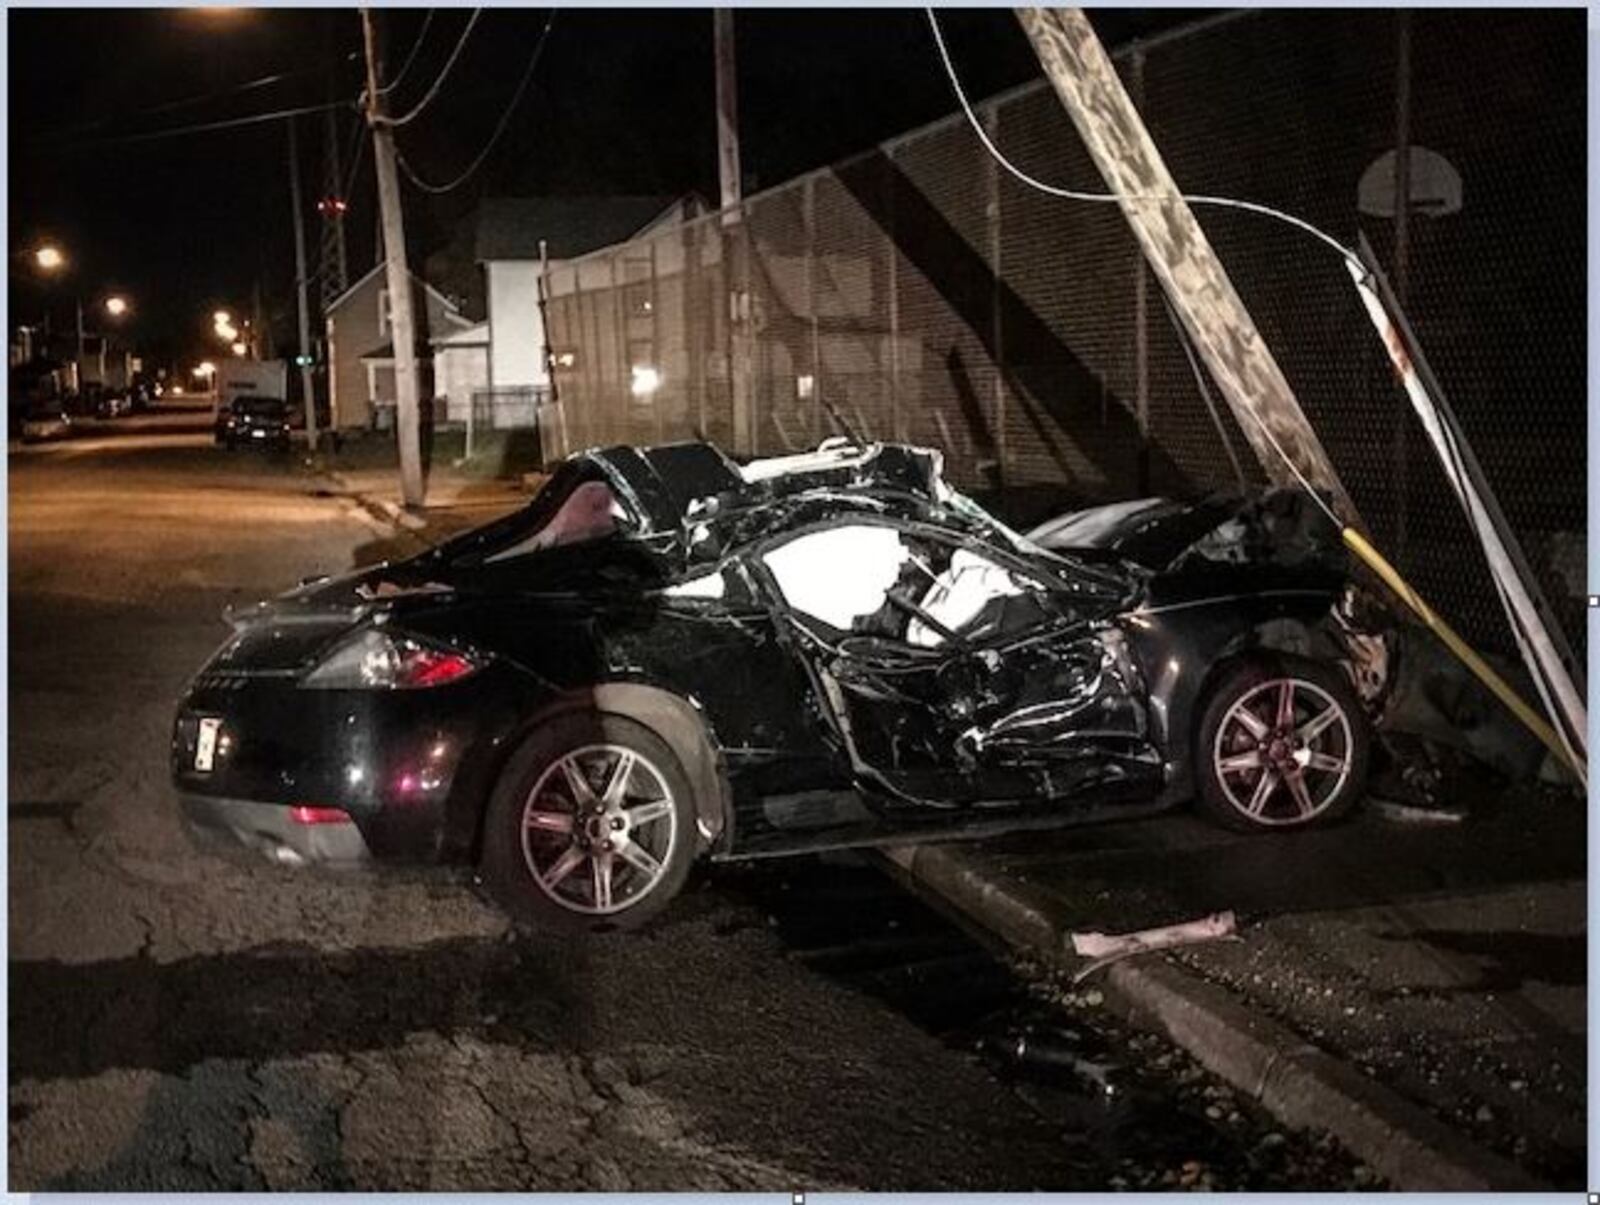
column 622, row 101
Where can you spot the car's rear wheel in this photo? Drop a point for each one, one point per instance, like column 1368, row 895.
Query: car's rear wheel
column 591, row 826
column 1282, row 744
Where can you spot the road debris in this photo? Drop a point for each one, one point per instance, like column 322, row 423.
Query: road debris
column 1104, row 949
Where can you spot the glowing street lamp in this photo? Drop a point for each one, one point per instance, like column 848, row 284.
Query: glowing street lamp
column 116, row 306
column 239, row 349
column 205, row 370
column 49, row 258
column 222, row 318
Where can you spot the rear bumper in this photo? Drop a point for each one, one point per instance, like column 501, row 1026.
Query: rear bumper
column 270, row 830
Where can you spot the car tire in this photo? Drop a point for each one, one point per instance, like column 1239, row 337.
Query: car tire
column 547, row 871
column 1317, row 761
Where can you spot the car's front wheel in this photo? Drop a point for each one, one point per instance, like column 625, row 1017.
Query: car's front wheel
column 590, row 826
column 1282, row 744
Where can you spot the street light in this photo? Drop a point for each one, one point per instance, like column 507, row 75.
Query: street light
column 222, row 318
column 239, row 349
column 49, row 258
column 116, row 306
column 205, row 369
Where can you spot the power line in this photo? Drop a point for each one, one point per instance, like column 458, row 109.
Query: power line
column 439, row 82
column 203, row 127
column 169, row 106
column 1113, row 198
column 500, row 128
column 410, row 58
column 356, row 156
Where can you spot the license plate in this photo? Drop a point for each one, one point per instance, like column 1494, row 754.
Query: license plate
column 205, row 746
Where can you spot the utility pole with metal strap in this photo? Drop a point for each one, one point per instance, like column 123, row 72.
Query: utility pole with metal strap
column 401, row 325
column 1087, row 85
column 307, row 387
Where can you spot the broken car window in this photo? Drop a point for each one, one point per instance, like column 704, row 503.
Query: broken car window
column 590, row 512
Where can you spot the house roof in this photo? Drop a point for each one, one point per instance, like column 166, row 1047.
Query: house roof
column 511, row 227
column 357, row 285
column 476, row 335
column 386, row 352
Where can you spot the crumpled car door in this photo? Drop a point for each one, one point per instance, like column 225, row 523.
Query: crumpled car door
column 952, row 676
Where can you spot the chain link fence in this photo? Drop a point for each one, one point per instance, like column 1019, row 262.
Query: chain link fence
column 918, row 292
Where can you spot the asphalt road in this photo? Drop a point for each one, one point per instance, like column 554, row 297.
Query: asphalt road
column 180, row 1022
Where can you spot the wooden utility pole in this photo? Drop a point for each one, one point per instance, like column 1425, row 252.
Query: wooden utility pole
column 1179, row 252
column 735, row 246
column 307, row 388
column 401, row 326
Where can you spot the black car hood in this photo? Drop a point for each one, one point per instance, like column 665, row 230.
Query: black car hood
column 1276, row 526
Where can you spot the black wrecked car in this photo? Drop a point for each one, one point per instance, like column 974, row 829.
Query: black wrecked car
column 667, row 656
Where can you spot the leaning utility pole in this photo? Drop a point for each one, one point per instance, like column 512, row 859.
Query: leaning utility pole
column 1179, row 252
column 399, row 277
column 735, row 239
column 307, row 388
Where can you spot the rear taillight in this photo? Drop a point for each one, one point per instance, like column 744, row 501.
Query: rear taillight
column 305, row 813
column 374, row 660
column 434, row 667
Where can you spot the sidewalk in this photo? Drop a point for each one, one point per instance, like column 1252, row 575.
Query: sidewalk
column 1418, row 991
column 454, row 501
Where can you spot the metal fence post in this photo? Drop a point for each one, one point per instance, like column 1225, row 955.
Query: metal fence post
column 1402, row 257
column 814, row 411
column 619, row 329
column 658, row 361
column 895, row 422
column 1141, row 314
column 991, row 122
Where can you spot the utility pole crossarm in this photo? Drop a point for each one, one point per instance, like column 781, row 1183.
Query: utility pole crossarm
column 1181, row 256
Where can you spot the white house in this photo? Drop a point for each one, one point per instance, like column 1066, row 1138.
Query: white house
column 460, row 369
column 361, row 346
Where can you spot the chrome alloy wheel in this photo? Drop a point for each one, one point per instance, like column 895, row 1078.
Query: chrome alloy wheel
column 598, row 829
column 1283, row 752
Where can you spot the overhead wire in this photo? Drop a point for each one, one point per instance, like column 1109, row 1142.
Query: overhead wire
column 204, row 127
column 187, row 101
column 444, row 73
column 500, row 127
column 1072, row 194
column 360, row 145
column 410, row 58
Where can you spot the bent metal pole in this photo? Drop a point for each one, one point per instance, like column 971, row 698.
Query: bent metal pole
column 1540, row 643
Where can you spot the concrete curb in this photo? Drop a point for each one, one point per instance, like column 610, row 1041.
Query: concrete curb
column 379, row 508
column 1300, row 1084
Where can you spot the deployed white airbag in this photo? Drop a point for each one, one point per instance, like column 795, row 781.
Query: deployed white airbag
column 841, row 574
column 960, row 592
